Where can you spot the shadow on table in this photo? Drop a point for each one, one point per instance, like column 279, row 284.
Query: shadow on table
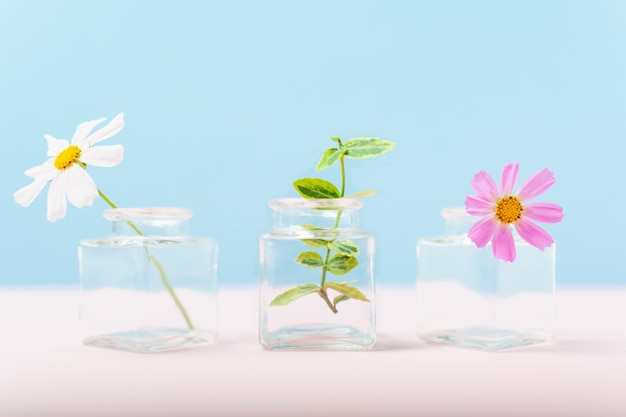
column 582, row 347
column 389, row 343
column 591, row 347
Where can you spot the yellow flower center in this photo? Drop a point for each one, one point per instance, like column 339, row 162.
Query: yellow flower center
column 509, row 209
column 66, row 158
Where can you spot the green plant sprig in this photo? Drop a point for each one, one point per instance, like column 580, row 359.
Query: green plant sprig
column 344, row 252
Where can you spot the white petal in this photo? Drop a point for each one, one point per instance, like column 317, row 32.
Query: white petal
column 80, row 189
column 106, row 132
column 83, row 130
column 57, row 205
column 55, row 146
column 46, row 170
column 103, row 156
column 26, row 195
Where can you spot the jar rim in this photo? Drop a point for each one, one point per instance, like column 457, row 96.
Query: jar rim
column 326, row 203
column 117, row 214
column 451, row 212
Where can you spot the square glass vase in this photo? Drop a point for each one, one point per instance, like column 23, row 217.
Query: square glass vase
column 316, row 278
column 149, row 286
column 468, row 298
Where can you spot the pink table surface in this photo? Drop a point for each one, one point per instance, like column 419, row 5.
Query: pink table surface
column 46, row 371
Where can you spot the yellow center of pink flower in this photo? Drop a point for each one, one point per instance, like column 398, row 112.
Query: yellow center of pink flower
column 509, row 209
column 66, row 158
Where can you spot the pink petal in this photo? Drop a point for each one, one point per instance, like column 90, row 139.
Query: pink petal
column 55, row 146
column 503, row 244
column 103, row 156
column 57, row 205
column 478, row 206
column 533, row 234
column 83, row 130
column 543, row 212
column 485, row 186
column 80, row 190
column 482, row 231
column 536, row 184
column 509, row 178
column 106, row 132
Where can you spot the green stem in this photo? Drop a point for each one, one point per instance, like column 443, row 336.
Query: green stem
column 325, row 268
column 330, row 305
column 170, row 289
column 343, row 176
column 158, row 266
column 105, row 198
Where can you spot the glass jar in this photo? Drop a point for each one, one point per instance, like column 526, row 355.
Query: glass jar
column 317, row 277
column 149, row 286
column 466, row 297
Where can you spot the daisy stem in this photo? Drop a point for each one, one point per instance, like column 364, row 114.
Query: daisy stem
column 157, row 265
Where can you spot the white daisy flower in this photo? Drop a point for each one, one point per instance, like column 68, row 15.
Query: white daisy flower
column 66, row 169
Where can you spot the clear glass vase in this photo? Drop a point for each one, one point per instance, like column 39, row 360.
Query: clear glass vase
column 149, row 286
column 468, row 298
column 316, row 277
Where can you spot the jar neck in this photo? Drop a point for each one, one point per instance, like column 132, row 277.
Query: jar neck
column 151, row 221
column 458, row 221
column 316, row 213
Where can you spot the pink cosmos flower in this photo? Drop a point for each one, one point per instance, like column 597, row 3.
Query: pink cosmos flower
column 501, row 208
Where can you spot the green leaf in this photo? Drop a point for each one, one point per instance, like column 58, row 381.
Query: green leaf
column 316, row 243
column 341, row 264
column 347, row 290
column 324, row 233
column 336, row 139
column 345, row 247
column 312, row 227
column 310, row 259
column 360, row 194
column 339, row 299
column 361, row 148
column 328, row 159
column 316, row 188
column 294, row 293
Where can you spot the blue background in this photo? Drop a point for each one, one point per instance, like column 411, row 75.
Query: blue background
column 227, row 102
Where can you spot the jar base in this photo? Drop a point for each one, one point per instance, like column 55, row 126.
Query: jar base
column 487, row 338
column 150, row 340
column 318, row 337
